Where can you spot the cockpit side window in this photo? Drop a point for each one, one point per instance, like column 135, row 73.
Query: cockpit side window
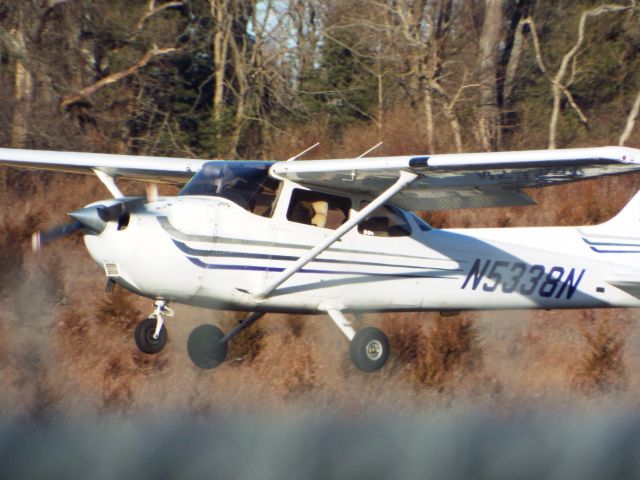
column 316, row 208
column 385, row 221
column 247, row 184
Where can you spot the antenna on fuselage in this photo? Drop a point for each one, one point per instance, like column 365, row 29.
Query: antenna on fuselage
column 370, row 150
column 303, row 152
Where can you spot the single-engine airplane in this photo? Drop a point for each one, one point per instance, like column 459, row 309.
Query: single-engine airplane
column 338, row 237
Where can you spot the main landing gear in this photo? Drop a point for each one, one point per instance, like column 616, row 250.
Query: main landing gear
column 150, row 334
column 368, row 347
column 207, row 345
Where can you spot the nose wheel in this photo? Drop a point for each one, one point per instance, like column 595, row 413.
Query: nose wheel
column 151, row 334
column 145, row 338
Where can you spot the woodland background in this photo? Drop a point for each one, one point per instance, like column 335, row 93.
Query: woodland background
column 266, row 79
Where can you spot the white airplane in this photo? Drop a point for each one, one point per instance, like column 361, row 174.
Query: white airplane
column 338, row 236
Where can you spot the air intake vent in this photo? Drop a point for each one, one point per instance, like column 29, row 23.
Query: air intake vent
column 111, row 269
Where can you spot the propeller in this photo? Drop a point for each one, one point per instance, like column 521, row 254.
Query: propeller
column 93, row 218
column 42, row 238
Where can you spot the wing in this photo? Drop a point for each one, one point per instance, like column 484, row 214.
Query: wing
column 152, row 169
column 465, row 180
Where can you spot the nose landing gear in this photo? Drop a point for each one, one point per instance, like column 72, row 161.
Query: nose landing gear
column 150, row 334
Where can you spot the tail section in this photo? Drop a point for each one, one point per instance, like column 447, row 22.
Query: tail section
column 627, row 220
column 621, row 234
column 618, row 240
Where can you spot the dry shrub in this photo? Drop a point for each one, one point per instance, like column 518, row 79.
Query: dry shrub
column 118, row 310
column 449, row 351
column 503, row 220
column 73, row 324
column 45, row 402
column 303, row 377
column 437, row 218
column 117, row 393
column 13, row 238
column 452, row 348
column 247, row 345
column 409, row 347
column 296, row 325
column 602, row 368
column 145, row 364
column 120, row 375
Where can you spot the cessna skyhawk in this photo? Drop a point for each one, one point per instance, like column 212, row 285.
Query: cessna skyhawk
column 338, row 237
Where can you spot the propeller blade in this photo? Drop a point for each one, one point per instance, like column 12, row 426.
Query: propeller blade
column 94, row 218
column 43, row 238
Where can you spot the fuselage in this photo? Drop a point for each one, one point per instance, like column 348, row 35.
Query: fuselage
column 211, row 252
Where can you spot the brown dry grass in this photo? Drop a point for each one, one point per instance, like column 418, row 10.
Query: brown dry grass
column 445, row 354
column 68, row 346
column 245, row 347
column 601, row 368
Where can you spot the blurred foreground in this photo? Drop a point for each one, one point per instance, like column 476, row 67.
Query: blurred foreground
column 446, row 446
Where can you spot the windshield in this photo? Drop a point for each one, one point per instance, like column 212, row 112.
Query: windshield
column 247, row 184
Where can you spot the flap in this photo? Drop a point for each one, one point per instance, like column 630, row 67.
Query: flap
column 465, row 180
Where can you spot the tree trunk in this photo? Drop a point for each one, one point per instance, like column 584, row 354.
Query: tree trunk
column 488, row 116
column 513, row 49
column 23, row 94
column 427, row 103
column 240, row 69
column 220, row 46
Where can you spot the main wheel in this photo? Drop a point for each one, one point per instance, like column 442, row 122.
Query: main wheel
column 205, row 348
column 369, row 349
column 143, row 336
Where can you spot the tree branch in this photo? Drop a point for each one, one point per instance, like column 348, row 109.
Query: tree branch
column 556, row 81
column 152, row 10
column 114, row 77
column 631, row 120
column 558, row 85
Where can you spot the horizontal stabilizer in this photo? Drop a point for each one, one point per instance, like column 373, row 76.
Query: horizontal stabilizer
column 630, row 283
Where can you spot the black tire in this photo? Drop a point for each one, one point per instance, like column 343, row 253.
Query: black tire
column 369, row 349
column 205, row 348
column 143, row 336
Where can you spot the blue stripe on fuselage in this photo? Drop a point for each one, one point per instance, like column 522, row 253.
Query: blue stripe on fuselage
column 214, row 266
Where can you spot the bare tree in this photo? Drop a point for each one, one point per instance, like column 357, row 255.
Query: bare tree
column 567, row 70
column 488, row 114
column 631, row 121
column 223, row 33
column 23, row 94
column 114, row 77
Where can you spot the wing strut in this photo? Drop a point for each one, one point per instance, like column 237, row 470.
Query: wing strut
column 108, row 182
column 405, row 179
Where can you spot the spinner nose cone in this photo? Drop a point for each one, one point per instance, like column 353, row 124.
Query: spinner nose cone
column 90, row 218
